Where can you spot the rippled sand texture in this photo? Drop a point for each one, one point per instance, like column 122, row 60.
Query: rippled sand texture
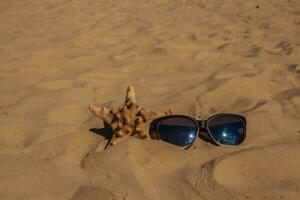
column 197, row 57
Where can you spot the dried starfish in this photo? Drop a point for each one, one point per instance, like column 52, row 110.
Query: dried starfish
column 129, row 120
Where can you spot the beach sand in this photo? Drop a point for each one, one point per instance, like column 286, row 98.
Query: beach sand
column 197, row 57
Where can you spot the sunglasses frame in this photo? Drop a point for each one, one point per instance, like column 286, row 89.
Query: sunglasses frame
column 202, row 125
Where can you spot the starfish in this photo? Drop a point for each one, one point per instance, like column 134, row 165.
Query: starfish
column 129, row 120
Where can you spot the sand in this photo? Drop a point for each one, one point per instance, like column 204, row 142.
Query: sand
column 197, row 57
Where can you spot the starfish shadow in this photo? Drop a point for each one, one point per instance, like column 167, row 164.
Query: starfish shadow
column 105, row 132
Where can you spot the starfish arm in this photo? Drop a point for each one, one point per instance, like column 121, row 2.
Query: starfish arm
column 101, row 112
column 130, row 96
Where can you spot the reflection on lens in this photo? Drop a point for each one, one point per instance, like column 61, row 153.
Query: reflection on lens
column 177, row 130
column 227, row 130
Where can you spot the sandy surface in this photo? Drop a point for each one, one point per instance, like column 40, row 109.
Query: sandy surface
column 197, row 57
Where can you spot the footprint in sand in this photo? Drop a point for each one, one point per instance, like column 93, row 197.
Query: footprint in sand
column 261, row 168
column 271, row 172
column 228, row 95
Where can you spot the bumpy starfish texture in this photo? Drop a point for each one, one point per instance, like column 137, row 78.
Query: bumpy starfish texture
column 129, row 120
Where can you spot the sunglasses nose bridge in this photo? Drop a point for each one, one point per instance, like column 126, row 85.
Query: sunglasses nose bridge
column 202, row 124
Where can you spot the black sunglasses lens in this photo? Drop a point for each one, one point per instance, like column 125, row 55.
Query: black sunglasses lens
column 177, row 130
column 227, row 130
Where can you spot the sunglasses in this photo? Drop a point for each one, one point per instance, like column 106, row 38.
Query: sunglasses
column 181, row 130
